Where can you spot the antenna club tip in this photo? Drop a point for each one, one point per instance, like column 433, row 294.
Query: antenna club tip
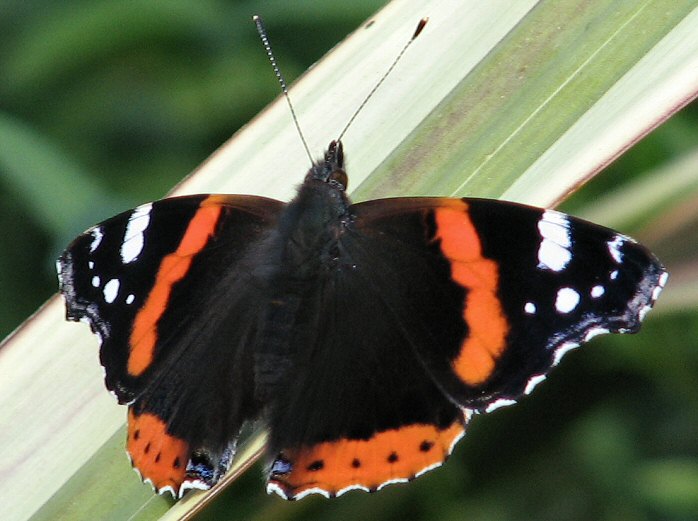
column 420, row 27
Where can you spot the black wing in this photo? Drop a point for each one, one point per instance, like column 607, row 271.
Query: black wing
column 169, row 289
column 437, row 308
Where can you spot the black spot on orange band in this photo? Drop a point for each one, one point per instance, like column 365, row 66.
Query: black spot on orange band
column 337, row 466
column 157, row 455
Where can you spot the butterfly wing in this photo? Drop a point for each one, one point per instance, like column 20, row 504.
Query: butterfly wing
column 534, row 284
column 437, row 308
column 357, row 410
column 159, row 285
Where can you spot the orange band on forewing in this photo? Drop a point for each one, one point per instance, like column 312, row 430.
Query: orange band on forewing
column 172, row 269
column 158, row 456
column 396, row 454
column 483, row 312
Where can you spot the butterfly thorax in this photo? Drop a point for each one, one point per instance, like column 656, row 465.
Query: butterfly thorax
column 305, row 246
column 310, row 226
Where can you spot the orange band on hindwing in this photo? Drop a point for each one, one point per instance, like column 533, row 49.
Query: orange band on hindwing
column 390, row 456
column 482, row 310
column 173, row 268
column 158, row 456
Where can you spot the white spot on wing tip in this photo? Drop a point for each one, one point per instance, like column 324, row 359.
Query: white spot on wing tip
column 595, row 332
column 563, row 350
column 530, row 308
column 656, row 292
column 111, row 290
column 553, row 252
column 552, row 256
column 96, row 238
column 597, row 291
column 663, row 279
column 566, row 300
column 614, row 247
column 134, row 239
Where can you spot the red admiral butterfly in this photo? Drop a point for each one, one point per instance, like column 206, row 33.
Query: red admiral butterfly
column 365, row 335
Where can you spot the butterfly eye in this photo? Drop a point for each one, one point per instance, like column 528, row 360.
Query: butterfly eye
column 339, row 176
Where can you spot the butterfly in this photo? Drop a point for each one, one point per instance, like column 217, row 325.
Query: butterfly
column 365, row 336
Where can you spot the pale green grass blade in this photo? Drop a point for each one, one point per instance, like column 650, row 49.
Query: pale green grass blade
column 494, row 110
column 88, row 495
column 572, row 86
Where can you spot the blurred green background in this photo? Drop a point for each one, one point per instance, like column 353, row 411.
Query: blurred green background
column 108, row 104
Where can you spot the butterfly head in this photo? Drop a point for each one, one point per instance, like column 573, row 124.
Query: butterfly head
column 331, row 169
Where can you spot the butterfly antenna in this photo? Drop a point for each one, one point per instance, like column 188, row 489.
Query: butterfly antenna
column 418, row 30
column 267, row 47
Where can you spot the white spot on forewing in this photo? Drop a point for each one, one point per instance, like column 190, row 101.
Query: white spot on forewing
column 563, row 350
column 553, row 252
column 134, row 238
column 597, row 291
column 614, row 247
column 552, row 256
column 503, row 402
column 95, row 281
column 533, row 382
column 663, row 278
column 614, row 274
column 130, row 298
column 555, row 226
column 530, row 308
column 90, row 264
column 96, row 238
column 656, row 291
column 566, row 300
column 595, row 332
column 111, row 290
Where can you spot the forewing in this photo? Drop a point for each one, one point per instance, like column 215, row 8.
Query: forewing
column 169, row 289
column 491, row 294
